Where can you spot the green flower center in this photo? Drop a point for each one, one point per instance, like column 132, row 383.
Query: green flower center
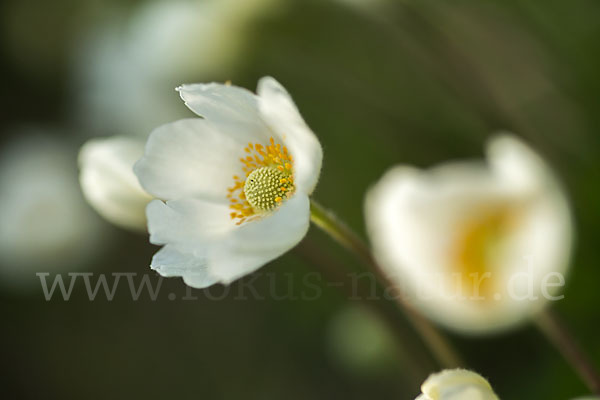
column 266, row 187
column 268, row 180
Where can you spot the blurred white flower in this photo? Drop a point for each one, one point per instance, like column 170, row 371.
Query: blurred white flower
column 236, row 182
column 477, row 247
column 456, row 384
column 124, row 68
column 46, row 226
column 108, row 182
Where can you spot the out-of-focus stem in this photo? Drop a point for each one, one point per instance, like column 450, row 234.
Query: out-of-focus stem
column 409, row 349
column 560, row 336
column 439, row 346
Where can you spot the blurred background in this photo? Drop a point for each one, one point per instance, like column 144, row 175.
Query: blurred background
column 381, row 82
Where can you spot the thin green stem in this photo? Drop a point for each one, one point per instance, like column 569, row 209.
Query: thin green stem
column 409, row 349
column 439, row 346
column 559, row 335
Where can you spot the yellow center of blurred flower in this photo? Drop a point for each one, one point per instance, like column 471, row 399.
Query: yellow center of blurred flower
column 477, row 251
column 268, row 181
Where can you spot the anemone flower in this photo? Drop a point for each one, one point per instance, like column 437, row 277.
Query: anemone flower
column 233, row 185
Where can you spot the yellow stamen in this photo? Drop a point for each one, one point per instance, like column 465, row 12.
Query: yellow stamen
column 476, row 252
column 268, row 181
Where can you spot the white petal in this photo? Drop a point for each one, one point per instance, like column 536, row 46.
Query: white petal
column 457, row 384
column 256, row 243
column 516, row 163
column 233, row 109
column 108, row 181
column 188, row 221
column 229, row 251
column 189, row 158
column 282, row 116
column 543, row 245
column 170, row 262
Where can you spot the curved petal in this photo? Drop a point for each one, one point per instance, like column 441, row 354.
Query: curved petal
column 108, row 182
column 546, row 236
column 457, row 384
column 233, row 109
column 229, row 251
column 187, row 221
column 189, row 158
column 517, row 164
column 169, row 262
column 397, row 213
column 256, row 243
column 282, row 116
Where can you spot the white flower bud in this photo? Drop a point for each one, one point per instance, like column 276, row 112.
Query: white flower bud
column 108, row 181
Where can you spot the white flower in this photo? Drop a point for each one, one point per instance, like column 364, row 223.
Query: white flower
column 456, row 384
column 123, row 67
column 108, row 181
column 46, row 225
column 235, row 183
column 461, row 384
column 476, row 247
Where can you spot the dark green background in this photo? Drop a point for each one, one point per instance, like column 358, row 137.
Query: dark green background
column 420, row 83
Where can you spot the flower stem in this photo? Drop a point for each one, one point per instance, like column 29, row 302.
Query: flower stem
column 409, row 349
column 559, row 335
column 439, row 346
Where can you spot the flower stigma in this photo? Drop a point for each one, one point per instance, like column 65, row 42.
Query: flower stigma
column 479, row 247
column 268, row 181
